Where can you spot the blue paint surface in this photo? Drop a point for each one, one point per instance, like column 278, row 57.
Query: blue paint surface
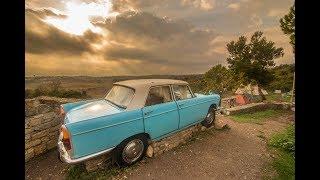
column 97, row 125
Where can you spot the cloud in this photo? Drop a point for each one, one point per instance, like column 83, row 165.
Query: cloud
column 162, row 36
column 201, row 4
column 43, row 13
column 234, row 6
column 256, row 21
column 56, row 4
column 148, row 38
column 140, row 5
column 43, row 38
column 277, row 12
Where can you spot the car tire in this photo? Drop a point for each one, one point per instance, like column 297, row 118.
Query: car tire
column 131, row 150
column 210, row 118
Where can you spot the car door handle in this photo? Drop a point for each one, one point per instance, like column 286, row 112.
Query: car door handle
column 147, row 113
column 180, row 105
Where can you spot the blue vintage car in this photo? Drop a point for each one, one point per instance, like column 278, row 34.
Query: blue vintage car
column 132, row 114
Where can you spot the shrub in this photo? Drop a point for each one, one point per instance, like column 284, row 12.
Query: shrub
column 284, row 141
column 54, row 89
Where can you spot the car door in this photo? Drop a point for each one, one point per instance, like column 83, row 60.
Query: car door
column 190, row 110
column 160, row 112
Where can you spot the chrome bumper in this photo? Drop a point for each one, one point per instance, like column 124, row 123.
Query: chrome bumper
column 65, row 157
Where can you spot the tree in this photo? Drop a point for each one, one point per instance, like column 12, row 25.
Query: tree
column 218, row 79
column 287, row 24
column 252, row 60
column 283, row 77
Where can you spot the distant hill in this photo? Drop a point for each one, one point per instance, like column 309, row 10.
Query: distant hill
column 98, row 86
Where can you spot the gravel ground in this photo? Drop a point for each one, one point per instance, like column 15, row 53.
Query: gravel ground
column 237, row 153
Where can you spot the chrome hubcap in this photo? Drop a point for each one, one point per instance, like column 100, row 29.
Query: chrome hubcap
column 132, row 151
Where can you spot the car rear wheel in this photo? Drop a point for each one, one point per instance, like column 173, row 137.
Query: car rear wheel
column 210, row 118
column 131, row 150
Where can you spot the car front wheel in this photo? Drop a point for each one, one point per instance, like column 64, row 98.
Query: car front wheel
column 131, row 150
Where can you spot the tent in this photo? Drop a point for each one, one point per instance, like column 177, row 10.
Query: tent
column 250, row 94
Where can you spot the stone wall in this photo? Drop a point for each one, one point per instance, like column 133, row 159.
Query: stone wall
column 253, row 107
column 42, row 124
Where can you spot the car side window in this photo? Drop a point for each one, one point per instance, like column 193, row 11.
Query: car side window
column 181, row 92
column 158, row 95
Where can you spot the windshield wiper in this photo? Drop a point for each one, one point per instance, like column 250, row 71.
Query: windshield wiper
column 121, row 106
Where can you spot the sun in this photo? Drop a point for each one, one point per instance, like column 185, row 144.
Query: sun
column 78, row 15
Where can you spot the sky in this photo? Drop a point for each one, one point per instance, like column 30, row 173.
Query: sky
column 143, row 37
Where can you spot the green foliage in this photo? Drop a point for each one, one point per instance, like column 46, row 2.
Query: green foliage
column 198, row 85
column 283, row 77
column 284, row 162
column 277, row 97
column 252, row 60
column 80, row 172
column 219, row 79
column 54, row 89
column 284, row 141
column 257, row 117
column 287, row 24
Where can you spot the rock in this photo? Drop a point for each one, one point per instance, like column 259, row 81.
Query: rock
column 100, row 162
column 40, row 134
column 27, row 131
column 29, row 153
column 149, row 152
column 277, row 91
column 42, row 126
column 219, row 124
column 52, row 143
column 203, row 128
column 29, row 144
column 35, row 120
column 39, row 149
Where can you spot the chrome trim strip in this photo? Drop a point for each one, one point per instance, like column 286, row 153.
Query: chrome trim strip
column 202, row 102
column 164, row 112
column 103, row 127
column 64, row 156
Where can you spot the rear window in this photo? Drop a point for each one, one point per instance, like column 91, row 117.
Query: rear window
column 120, row 95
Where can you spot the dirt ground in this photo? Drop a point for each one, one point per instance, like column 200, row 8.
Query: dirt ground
column 237, row 153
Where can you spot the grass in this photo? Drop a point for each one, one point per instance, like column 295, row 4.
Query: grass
column 284, row 145
column 80, row 172
column 258, row 117
column 278, row 97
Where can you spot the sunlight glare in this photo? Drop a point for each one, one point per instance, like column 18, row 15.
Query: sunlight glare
column 78, row 21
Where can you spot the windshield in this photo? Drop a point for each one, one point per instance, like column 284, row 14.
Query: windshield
column 120, row 95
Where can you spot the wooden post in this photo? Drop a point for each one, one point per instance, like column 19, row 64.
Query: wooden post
column 292, row 87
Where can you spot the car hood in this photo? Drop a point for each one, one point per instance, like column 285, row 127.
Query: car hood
column 91, row 110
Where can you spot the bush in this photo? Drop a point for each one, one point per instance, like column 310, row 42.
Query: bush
column 284, row 141
column 284, row 162
column 54, row 89
column 219, row 79
column 283, row 78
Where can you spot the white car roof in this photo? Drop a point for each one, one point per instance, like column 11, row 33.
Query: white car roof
column 142, row 86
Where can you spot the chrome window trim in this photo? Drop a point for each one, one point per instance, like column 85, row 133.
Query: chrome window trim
column 193, row 96
column 172, row 98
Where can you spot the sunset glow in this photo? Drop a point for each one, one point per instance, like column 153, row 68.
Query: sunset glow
column 142, row 37
column 77, row 21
